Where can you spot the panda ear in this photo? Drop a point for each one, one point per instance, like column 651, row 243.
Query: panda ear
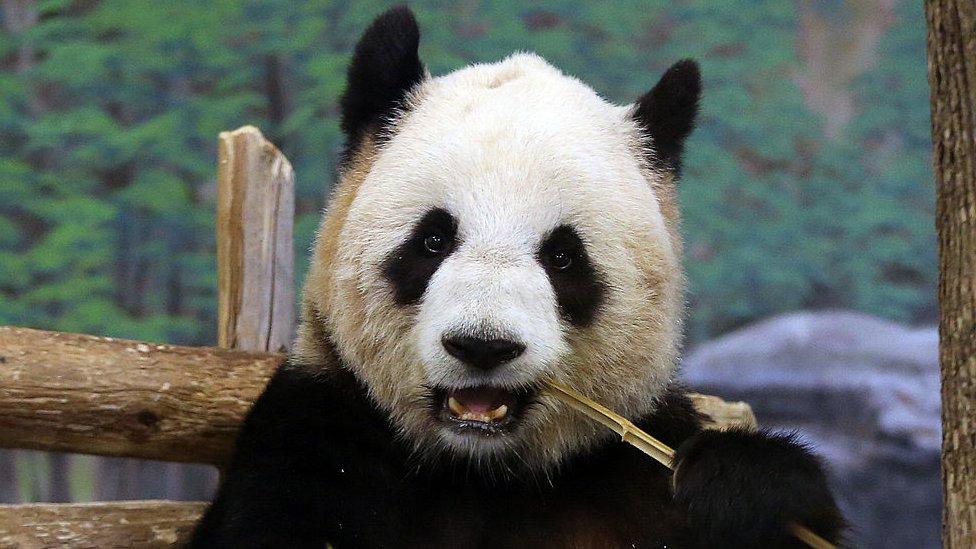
column 385, row 67
column 667, row 113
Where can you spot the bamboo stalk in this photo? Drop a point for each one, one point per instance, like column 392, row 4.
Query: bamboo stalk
column 622, row 426
column 809, row 537
column 651, row 446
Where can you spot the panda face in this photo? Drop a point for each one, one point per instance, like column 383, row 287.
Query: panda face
column 507, row 230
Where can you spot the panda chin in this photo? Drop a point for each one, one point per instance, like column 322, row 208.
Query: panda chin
column 482, row 411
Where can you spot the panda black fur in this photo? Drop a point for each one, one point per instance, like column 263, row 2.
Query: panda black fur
column 492, row 228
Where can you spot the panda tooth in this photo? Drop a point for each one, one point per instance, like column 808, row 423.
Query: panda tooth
column 456, row 407
column 498, row 413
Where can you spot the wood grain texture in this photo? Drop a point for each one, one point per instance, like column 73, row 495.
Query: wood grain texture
column 95, row 395
column 951, row 45
column 145, row 524
column 255, row 254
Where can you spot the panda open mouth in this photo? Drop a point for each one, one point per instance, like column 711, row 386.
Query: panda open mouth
column 482, row 410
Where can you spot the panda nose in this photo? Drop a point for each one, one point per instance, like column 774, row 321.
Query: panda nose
column 484, row 354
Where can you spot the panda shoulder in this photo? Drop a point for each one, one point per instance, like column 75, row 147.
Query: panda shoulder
column 304, row 404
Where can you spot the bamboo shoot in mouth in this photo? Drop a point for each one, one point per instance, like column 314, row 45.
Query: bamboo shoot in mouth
column 651, row 446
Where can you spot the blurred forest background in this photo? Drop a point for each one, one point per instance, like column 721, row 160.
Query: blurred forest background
column 808, row 187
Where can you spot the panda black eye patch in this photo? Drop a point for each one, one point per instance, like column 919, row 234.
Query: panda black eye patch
column 579, row 286
column 409, row 267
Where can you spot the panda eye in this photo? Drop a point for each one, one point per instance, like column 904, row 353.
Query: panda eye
column 560, row 260
column 435, row 243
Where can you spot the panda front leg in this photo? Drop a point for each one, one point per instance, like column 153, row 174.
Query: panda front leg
column 744, row 489
column 310, row 467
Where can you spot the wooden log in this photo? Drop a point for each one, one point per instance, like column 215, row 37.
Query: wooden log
column 255, row 255
column 951, row 45
column 95, row 395
column 144, row 524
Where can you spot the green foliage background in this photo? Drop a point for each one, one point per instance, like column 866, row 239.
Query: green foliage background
column 109, row 112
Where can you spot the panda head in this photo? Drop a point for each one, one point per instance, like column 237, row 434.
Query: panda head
column 493, row 228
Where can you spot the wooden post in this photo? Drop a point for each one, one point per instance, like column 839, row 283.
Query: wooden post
column 952, row 75
column 255, row 257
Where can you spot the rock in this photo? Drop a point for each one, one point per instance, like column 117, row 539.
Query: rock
column 863, row 391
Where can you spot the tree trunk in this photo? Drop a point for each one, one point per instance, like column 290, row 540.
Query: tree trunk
column 952, row 74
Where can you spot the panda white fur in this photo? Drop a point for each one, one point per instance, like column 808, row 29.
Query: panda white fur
column 493, row 228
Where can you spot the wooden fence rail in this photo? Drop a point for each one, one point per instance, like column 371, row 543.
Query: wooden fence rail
column 115, row 397
column 152, row 524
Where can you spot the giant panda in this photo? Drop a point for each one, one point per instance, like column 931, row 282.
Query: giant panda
column 493, row 228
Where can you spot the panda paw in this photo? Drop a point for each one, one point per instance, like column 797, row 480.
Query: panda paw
column 744, row 489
